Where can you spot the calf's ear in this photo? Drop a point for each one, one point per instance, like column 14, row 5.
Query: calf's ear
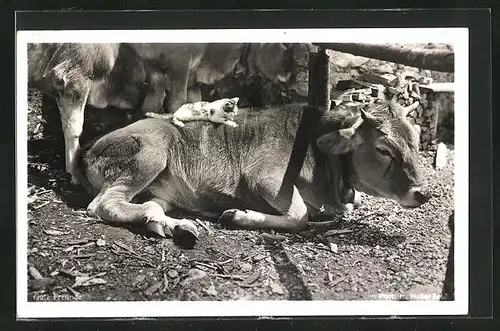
column 339, row 142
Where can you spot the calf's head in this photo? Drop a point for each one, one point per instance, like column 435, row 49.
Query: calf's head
column 382, row 151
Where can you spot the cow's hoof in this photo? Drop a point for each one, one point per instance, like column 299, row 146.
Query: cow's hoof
column 185, row 234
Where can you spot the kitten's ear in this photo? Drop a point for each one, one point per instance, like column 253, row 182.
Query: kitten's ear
column 236, row 99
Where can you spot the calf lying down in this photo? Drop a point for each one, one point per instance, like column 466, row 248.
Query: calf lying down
column 234, row 174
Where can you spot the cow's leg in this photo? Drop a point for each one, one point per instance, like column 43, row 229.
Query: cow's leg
column 293, row 219
column 193, row 94
column 179, row 83
column 71, row 107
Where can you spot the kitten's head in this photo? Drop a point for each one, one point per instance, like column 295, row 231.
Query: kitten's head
column 225, row 108
column 231, row 105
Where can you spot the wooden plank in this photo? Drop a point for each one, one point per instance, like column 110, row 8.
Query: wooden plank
column 439, row 87
column 432, row 59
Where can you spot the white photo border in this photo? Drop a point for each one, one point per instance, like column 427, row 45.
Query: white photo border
column 458, row 37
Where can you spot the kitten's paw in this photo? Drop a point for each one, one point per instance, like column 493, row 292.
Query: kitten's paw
column 177, row 122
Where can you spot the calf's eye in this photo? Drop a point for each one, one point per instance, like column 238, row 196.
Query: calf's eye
column 384, row 152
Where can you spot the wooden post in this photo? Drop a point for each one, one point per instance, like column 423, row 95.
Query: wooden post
column 323, row 81
column 312, row 80
column 319, row 81
column 318, row 102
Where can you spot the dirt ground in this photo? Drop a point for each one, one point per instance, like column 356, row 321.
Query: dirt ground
column 380, row 251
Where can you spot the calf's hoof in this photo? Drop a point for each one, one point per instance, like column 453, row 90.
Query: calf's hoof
column 227, row 217
column 185, row 234
column 159, row 229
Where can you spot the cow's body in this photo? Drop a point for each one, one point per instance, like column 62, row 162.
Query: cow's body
column 136, row 76
column 237, row 172
column 188, row 65
column 99, row 75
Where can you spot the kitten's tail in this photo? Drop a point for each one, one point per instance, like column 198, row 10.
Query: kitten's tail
column 159, row 116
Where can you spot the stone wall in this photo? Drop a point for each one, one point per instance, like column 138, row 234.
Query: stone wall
column 434, row 115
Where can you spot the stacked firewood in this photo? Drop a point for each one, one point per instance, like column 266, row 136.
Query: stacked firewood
column 371, row 87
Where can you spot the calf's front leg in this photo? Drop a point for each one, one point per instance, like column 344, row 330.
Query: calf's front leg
column 293, row 219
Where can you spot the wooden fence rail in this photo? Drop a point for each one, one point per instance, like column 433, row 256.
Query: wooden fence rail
column 431, row 59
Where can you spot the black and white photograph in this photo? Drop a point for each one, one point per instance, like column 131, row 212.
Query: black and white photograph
column 276, row 172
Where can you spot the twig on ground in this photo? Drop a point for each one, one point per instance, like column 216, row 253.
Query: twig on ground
column 82, row 256
column 76, row 242
column 323, row 224
column 235, row 277
column 204, row 225
column 206, row 265
column 313, row 250
column 43, row 192
column 125, row 247
column 225, row 262
column 322, row 248
column 335, row 232
column 41, row 205
column 92, row 277
column 214, row 261
column 338, row 281
column 249, row 257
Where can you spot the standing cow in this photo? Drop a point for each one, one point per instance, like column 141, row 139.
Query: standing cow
column 151, row 167
column 136, row 76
